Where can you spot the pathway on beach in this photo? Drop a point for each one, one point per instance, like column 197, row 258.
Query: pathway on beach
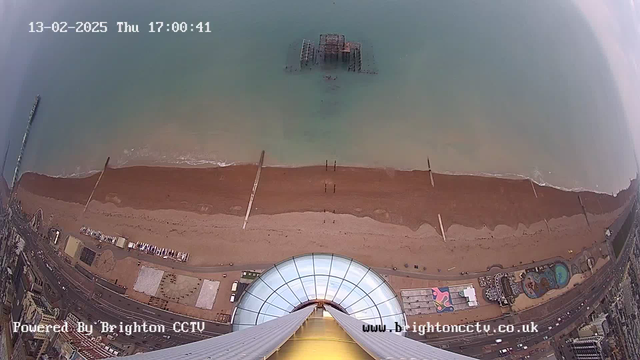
column 120, row 254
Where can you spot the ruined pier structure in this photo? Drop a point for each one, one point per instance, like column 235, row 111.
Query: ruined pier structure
column 332, row 48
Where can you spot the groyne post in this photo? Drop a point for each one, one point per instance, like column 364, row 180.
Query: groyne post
column 106, row 164
column 430, row 172
column 534, row 188
column 584, row 211
column 444, row 237
column 253, row 191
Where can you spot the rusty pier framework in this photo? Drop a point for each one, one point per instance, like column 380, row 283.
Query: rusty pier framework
column 335, row 48
column 331, row 51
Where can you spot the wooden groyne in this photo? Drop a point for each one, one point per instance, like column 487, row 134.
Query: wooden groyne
column 253, row 191
column 106, row 164
column 24, row 139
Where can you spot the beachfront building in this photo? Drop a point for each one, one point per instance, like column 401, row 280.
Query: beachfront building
column 588, row 348
column 598, row 326
column 36, row 312
column 74, row 345
column 315, row 306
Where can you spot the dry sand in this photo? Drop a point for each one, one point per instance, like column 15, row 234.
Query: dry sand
column 398, row 197
column 383, row 218
column 219, row 238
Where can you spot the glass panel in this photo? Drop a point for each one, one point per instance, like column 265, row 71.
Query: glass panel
column 362, row 293
column 366, row 314
column 264, row 318
column 322, row 263
column 361, row 304
column 288, row 270
column 370, row 282
column 269, row 309
column 296, row 286
column 334, row 284
column 382, row 294
column 390, row 321
column 351, row 299
column 278, row 301
column 356, row 273
column 390, row 307
column 344, row 290
column 251, row 302
column 272, row 278
column 245, row 317
column 288, row 295
column 321, row 286
column 260, row 289
column 339, row 267
column 309, row 286
column 372, row 321
column 305, row 265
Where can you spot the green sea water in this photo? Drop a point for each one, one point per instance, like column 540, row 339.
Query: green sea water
column 492, row 87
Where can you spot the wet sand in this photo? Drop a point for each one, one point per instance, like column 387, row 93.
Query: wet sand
column 398, row 197
column 383, row 218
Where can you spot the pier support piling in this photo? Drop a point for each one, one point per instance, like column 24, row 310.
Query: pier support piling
column 253, row 191
column 32, row 114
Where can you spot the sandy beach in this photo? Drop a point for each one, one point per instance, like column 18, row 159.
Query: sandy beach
column 398, row 197
column 383, row 218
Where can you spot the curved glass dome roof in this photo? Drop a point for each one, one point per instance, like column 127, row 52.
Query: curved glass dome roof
column 345, row 283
